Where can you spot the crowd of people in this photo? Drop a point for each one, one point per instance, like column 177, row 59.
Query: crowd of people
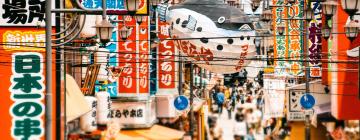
column 246, row 101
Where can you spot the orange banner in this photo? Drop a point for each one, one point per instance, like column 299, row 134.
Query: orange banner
column 22, row 71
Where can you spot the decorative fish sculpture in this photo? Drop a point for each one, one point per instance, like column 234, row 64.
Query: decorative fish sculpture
column 211, row 34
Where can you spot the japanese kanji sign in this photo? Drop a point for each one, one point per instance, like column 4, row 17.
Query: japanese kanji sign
column 22, row 12
column 166, row 56
column 22, row 71
column 143, row 48
column 289, row 46
column 314, row 42
column 115, row 6
column 127, row 59
column 133, row 56
column 130, row 112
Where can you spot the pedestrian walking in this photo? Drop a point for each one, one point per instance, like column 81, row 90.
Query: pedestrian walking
column 240, row 128
column 228, row 107
column 216, row 131
column 220, row 99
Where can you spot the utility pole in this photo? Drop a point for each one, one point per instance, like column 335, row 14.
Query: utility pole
column 180, row 75
column 191, row 101
column 48, row 95
column 200, row 82
column 307, row 70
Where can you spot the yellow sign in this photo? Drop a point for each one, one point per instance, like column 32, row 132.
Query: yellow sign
column 23, row 40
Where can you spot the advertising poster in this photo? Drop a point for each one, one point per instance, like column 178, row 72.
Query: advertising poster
column 22, row 71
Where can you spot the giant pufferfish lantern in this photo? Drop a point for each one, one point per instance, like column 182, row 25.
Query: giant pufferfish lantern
column 213, row 35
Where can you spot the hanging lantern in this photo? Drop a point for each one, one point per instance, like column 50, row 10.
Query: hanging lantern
column 350, row 6
column 308, row 14
column 326, row 31
column 104, row 30
column 132, row 6
column 329, row 8
column 125, row 32
column 352, row 30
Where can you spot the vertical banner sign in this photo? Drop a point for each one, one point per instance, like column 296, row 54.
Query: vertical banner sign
column 166, row 56
column 143, row 55
column 22, row 71
column 279, row 41
column 113, row 58
column 294, row 43
column 289, row 45
column 127, row 59
column 314, row 42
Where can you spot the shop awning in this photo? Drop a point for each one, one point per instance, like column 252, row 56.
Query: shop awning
column 156, row 132
column 76, row 105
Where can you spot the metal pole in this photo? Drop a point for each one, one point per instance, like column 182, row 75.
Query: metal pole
column 307, row 127
column 307, row 88
column 191, row 101
column 180, row 75
column 201, row 82
column 103, row 9
column 48, row 78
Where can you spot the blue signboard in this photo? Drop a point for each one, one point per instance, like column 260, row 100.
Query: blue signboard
column 181, row 102
column 116, row 7
column 307, row 101
column 110, row 4
column 112, row 47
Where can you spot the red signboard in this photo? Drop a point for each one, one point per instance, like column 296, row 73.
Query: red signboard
column 166, row 57
column 22, row 71
column 344, row 75
column 143, row 55
column 127, row 59
column 133, row 56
